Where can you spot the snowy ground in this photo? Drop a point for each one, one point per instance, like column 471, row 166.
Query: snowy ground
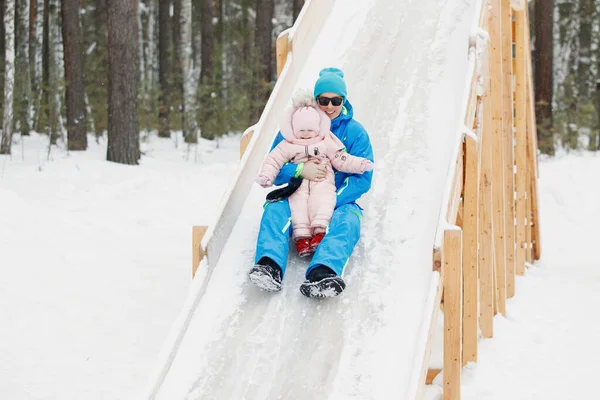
column 95, row 262
column 95, row 266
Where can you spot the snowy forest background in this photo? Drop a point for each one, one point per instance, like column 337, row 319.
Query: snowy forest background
column 70, row 68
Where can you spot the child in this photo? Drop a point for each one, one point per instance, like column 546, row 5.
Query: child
column 306, row 130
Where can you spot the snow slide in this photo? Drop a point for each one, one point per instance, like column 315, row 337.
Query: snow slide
column 405, row 65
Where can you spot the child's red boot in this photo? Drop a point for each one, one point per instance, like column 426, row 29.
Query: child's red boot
column 303, row 247
column 316, row 239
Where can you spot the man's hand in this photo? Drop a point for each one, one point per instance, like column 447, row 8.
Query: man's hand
column 314, row 171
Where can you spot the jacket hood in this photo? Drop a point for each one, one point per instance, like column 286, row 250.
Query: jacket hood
column 302, row 99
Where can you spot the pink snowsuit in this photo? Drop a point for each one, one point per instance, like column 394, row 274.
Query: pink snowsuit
column 313, row 202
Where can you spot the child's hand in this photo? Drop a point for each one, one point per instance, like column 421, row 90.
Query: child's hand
column 367, row 165
column 263, row 181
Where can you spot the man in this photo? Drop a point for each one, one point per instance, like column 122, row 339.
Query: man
column 324, row 273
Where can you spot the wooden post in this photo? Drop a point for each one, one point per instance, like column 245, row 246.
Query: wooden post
column 281, row 49
column 535, row 228
column 245, row 140
column 532, row 148
column 521, row 133
column 486, row 231
column 470, row 256
column 452, row 264
column 508, row 146
column 498, row 188
column 197, row 251
column 530, row 175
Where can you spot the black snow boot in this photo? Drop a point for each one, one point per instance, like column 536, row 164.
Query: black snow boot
column 266, row 274
column 322, row 282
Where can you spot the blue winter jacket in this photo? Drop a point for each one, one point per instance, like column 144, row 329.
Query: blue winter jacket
column 354, row 136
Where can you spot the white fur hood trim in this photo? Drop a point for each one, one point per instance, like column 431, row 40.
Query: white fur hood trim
column 302, row 98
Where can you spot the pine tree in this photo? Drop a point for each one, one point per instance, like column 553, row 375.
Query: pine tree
column 123, row 130
column 9, row 76
column 544, row 10
column 73, row 62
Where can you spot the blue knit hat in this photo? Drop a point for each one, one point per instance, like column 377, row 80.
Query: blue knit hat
column 331, row 80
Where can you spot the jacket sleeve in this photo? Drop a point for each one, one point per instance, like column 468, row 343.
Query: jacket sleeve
column 346, row 162
column 355, row 185
column 288, row 170
column 274, row 161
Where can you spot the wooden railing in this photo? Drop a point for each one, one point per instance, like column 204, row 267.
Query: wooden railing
column 488, row 229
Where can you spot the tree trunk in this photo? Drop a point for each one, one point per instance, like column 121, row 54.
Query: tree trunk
column 208, row 45
column 123, row 133
column 9, row 76
column 263, row 42
column 543, row 73
column 73, row 61
column 98, row 81
column 56, row 67
column 46, row 69
column 298, row 4
column 22, row 77
column 35, row 45
column 2, row 30
column 197, row 34
column 151, row 45
column 598, row 106
column 139, row 10
column 187, row 66
column 176, row 65
column 164, row 67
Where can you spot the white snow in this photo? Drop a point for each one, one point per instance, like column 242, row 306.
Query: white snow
column 95, row 262
column 95, row 256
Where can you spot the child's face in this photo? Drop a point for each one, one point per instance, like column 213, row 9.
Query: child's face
column 306, row 134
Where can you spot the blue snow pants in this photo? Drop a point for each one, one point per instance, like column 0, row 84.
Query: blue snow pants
column 333, row 252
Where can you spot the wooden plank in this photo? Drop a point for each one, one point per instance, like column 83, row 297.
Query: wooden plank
column 456, row 189
column 486, row 231
column 470, row 253
column 521, row 136
column 245, row 140
column 508, row 150
column 535, row 221
column 437, row 260
column 452, row 264
column 459, row 214
column 197, row 251
column 532, row 148
column 281, row 49
column 472, row 104
column 529, row 174
column 431, row 375
column 498, row 192
column 425, row 377
column 531, row 139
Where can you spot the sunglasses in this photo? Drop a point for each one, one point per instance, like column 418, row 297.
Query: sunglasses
column 336, row 101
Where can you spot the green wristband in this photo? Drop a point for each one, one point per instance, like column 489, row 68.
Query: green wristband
column 299, row 170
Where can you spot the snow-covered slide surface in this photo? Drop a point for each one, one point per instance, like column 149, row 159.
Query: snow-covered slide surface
column 405, row 65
